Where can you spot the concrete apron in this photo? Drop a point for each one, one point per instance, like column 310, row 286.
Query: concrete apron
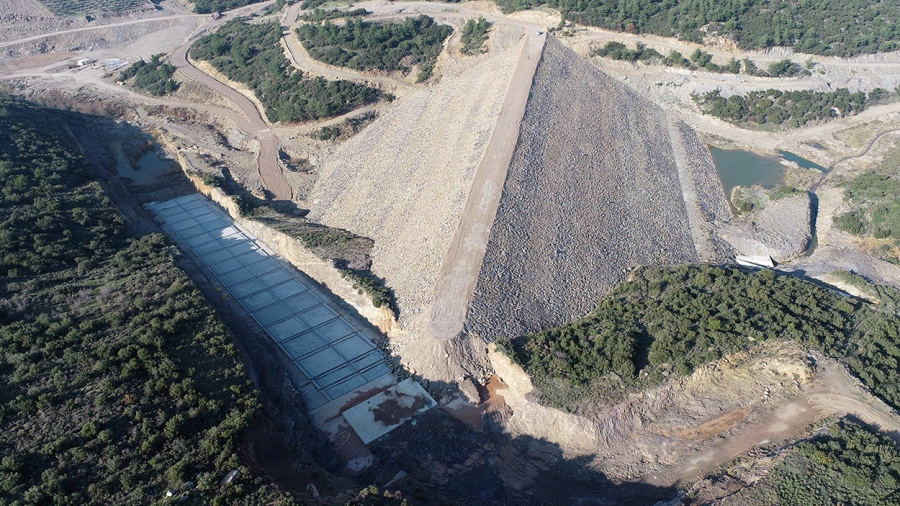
column 347, row 385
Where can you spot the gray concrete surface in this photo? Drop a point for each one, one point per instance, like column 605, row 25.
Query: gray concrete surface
column 326, row 346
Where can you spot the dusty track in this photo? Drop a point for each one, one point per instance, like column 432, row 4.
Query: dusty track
column 269, row 169
column 834, row 393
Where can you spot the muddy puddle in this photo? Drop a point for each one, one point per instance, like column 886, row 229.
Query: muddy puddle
column 142, row 169
column 473, row 416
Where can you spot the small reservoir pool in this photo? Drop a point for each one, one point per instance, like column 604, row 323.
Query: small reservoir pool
column 737, row 167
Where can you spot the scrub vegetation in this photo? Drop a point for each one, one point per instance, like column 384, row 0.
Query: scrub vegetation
column 874, row 209
column 847, row 464
column 830, row 27
column 209, row 6
column 364, row 45
column 251, row 54
column 474, row 35
column 668, row 321
column 154, row 76
column 119, row 381
column 74, row 7
column 792, row 108
column 318, row 15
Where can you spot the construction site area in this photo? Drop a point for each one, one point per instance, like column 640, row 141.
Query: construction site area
column 368, row 262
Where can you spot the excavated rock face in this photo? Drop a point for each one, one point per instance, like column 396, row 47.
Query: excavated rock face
column 591, row 192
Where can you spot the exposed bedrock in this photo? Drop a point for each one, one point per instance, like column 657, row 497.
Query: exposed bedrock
column 781, row 228
column 591, row 192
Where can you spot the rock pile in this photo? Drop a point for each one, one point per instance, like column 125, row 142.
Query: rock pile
column 592, row 192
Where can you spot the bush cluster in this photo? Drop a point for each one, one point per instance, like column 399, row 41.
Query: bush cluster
column 776, row 107
column 154, row 76
column 251, row 54
column 134, row 380
column 671, row 320
column 364, row 45
column 829, row 27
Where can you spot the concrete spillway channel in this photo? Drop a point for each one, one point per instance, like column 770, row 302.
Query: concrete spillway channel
column 331, row 350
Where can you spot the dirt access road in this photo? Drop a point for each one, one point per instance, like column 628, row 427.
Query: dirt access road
column 833, row 393
column 270, row 171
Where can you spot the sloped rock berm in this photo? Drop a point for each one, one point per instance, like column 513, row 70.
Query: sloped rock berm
column 591, row 192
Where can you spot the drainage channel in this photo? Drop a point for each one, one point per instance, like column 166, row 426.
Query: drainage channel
column 348, row 384
column 335, row 356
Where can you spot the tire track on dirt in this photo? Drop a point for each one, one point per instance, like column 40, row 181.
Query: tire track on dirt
column 269, row 169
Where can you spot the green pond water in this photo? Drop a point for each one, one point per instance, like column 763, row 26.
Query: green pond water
column 737, row 167
column 151, row 165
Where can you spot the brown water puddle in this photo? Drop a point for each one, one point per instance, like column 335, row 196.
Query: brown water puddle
column 473, row 416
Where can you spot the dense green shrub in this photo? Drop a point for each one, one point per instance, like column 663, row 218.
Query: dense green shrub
column 251, row 54
column 119, row 381
column 670, row 320
column 848, row 464
column 318, row 15
column 364, row 45
column 776, row 107
column 698, row 59
column 208, row 6
column 828, row 27
column 474, row 35
column 875, row 210
column 154, row 77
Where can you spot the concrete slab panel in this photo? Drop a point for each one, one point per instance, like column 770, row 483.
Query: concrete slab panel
column 335, row 330
column 181, row 225
column 320, row 362
column 272, row 314
column 247, row 288
column 192, row 204
column 235, row 277
column 388, row 410
column 207, row 217
column 260, row 268
column 239, row 248
column 303, row 301
column 287, row 329
column 215, row 225
column 275, row 277
column 368, row 360
column 317, row 315
column 353, row 347
column 197, row 240
column 226, row 266
column 191, row 232
column 347, row 386
column 289, row 289
column 208, row 246
column 259, row 300
column 252, row 257
column 302, row 345
column 214, row 256
column 229, row 232
column 178, row 215
column 336, row 376
column 377, row 371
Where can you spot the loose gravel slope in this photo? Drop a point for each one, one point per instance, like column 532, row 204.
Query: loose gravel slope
column 592, row 191
column 403, row 180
